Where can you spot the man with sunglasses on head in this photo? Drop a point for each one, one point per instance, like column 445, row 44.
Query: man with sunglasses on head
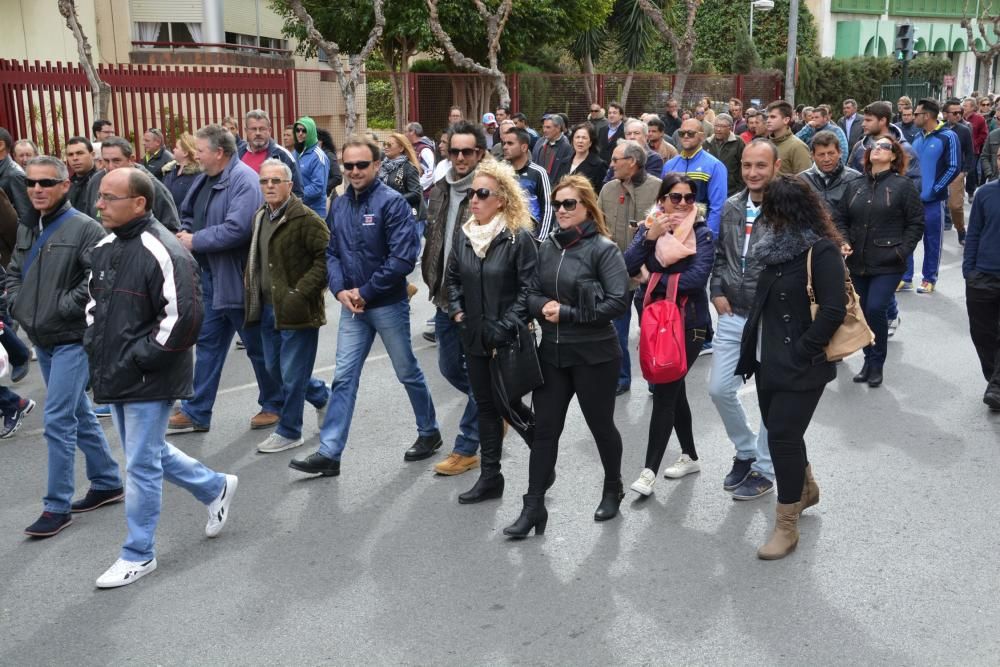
column 373, row 247
column 156, row 155
column 47, row 293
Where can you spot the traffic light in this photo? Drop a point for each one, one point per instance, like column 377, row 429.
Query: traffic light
column 904, row 41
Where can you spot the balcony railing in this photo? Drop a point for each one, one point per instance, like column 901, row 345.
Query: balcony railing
column 245, row 48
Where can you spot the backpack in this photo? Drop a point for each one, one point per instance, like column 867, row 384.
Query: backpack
column 662, row 350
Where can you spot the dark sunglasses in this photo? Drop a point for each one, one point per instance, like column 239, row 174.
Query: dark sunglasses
column 565, row 204
column 464, row 152
column 275, row 181
column 884, row 145
column 482, row 193
column 687, row 133
column 44, row 182
column 676, row 197
column 300, row 130
column 361, row 166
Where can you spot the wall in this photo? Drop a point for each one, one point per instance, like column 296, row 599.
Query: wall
column 34, row 30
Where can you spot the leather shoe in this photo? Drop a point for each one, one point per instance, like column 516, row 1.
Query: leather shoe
column 992, row 398
column 424, row 447
column 875, row 376
column 316, row 464
column 622, row 388
column 263, row 420
column 862, row 375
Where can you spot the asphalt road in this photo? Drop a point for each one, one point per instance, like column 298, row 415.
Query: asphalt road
column 896, row 566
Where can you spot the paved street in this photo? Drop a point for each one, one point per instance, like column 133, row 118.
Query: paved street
column 896, row 566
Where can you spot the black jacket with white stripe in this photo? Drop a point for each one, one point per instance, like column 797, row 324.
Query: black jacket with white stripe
column 144, row 315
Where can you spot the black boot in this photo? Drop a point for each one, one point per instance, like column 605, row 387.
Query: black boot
column 485, row 488
column 612, row 498
column 875, row 376
column 863, row 374
column 534, row 515
column 490, row 482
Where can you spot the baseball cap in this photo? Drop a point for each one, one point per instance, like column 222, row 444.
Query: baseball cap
column 489, row 119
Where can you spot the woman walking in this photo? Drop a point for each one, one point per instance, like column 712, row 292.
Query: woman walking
column 179, row 173
column 401, row 170
column 587, row 161
column 490, row 270
column 580, row 288
column 675, row 242
column 784, row 346
column 882, row 221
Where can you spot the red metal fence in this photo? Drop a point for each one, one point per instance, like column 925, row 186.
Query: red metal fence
column 49, row 103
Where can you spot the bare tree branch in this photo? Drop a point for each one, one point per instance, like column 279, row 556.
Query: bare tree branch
column 990, row 51
column 99, row 90
column 683, row 44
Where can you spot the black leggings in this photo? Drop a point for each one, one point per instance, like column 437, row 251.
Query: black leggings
column 671, row 411
column 594, row 387
column 491, row 410
column 787, row 414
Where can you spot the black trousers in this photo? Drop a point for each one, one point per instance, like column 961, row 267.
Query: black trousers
column 594, row 387
column 787, row 414
column 492, row 412
column 982, row 301
column 671, row 411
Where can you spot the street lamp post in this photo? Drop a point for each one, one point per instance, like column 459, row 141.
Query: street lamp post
column 762, row 5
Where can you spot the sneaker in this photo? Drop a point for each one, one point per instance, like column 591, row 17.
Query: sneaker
column 125, row 572
column 18, row 373
column 181, row 423
column 456, row 464
column 685, row 465
column 278, row 443
column 706, row 348
column 103, row 411
column 34, row 355
column 49, row 524
column 622, row 389
column 264, row 419
column 644, row 485
column 738, row 474
column 13, row 422
column 926, row 288
column 239, row 344
column 218, row 509
column 754, row 486
column 893, row 325
column 904, row 286
column 97, row 498
column 430, row 336
column 961, row 237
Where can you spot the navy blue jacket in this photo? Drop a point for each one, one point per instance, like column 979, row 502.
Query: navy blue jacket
column 982, row 240
column 940, row 162
column 964, row 134
column 373, row 244
column 274, row 151
column 695, row 272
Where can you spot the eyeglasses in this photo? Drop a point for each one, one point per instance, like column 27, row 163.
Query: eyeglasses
column 624, row 157
column 360, row 166
column 676, row 197
column 44, row 182
column 276, row 181
column 687, row 133
column 482, row 193
column 565, row 204
column 300, row 130
column 595, row 110
column 882, row 145
column 110, row 198
column 954, row 113
column 464, row 152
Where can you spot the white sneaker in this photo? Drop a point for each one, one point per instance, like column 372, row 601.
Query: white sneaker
column 644, row 485
column 278, row 443
column 125, row 572
column 684, row 466
column 893, row 325
column 218, row 509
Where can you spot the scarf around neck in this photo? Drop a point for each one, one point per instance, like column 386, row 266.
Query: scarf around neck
column 390, row 165
column 481, row 236
column 774, row 249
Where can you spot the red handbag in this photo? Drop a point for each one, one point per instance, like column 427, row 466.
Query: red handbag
column 662, row 353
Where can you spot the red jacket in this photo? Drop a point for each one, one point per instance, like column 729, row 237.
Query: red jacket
column 979, row 131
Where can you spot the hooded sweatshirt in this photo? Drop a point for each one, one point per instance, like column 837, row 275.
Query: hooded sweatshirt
column 314, row 168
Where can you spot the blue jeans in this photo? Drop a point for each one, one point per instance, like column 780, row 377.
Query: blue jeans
column 622, row 326
column 722, row 387
column 355, row 336
column 933, row 231
column 876, row 292
column 892, row 312
column 149, row 458
column 290, row 356
column 214, row 341
column 451, row 363
column 70, row 423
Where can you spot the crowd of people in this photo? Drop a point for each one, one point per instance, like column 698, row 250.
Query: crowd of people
column 130, row 276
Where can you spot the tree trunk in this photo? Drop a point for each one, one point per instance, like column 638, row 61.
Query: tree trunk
column 684, row 62
column 589, row 80
column 627, row 87
column 100, row 92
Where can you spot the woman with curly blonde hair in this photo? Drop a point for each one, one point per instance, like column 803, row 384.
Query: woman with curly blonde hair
column 491, row 267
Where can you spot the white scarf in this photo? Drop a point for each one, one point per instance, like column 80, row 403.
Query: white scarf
column 481, row 236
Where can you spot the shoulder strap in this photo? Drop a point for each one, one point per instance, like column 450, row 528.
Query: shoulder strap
column 809, row 276
column 654, row 279
column 42, row 239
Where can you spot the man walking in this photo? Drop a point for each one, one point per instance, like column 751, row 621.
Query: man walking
column 117, row 153
column 953, row 113
column 727, row 148
column 820, row 122
column 850, row 122
column 46, row 293
column 373, row 247
column 145, row 301
column 314, row 165
column 80, row 158
column 261, row 146
column 704, row 169
column 554, row 152
column 793, row 153
column 612, row 131
column 12, row 178
column 284, row 283
column 533, row 179
column 156, row 155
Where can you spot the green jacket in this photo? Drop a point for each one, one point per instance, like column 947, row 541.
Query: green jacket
column 297, row 261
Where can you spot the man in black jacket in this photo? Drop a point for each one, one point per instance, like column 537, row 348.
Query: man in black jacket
column 156, row 153
column 828, row 176
column 80, row 158
column 143, row 318
column 12, row 177
column 953, row 114
column 46, row 293
column 117, row 153
column 554, row 152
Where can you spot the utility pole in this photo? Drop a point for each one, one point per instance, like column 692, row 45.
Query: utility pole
column 790, row 60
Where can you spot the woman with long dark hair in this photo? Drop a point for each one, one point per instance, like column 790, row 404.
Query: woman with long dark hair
column 579, row 289
column 882, row 221
column 587, row 161
column 687, row 257
column 784, row 346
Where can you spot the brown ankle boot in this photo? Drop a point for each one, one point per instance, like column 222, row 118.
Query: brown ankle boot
column 785, row 535
column 810, row 491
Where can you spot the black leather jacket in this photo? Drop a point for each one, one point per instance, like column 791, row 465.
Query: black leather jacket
column 585, row 272
column 831, row 187
column 882, row 218
column 729, row 279
column 493, row 291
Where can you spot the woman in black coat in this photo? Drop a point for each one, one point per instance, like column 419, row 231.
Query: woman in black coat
column 400, row 170
column 882, row 221
column 579, row 289
column 784, row 346
column 179, row 173
column 587, row 161
column 491, row 267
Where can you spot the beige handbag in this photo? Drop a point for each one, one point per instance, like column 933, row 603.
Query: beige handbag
column 854, row 333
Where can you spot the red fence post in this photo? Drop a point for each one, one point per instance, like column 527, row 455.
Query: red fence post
column 739, row 87
column 413, row 86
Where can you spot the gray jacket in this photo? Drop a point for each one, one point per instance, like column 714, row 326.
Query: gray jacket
column 831, row 188
column 164, row 208
column 729, row 278
column 12, row 183
column 988, row 158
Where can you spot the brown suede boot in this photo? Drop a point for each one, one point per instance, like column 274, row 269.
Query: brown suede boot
column 785, row 535
column 810, row 491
